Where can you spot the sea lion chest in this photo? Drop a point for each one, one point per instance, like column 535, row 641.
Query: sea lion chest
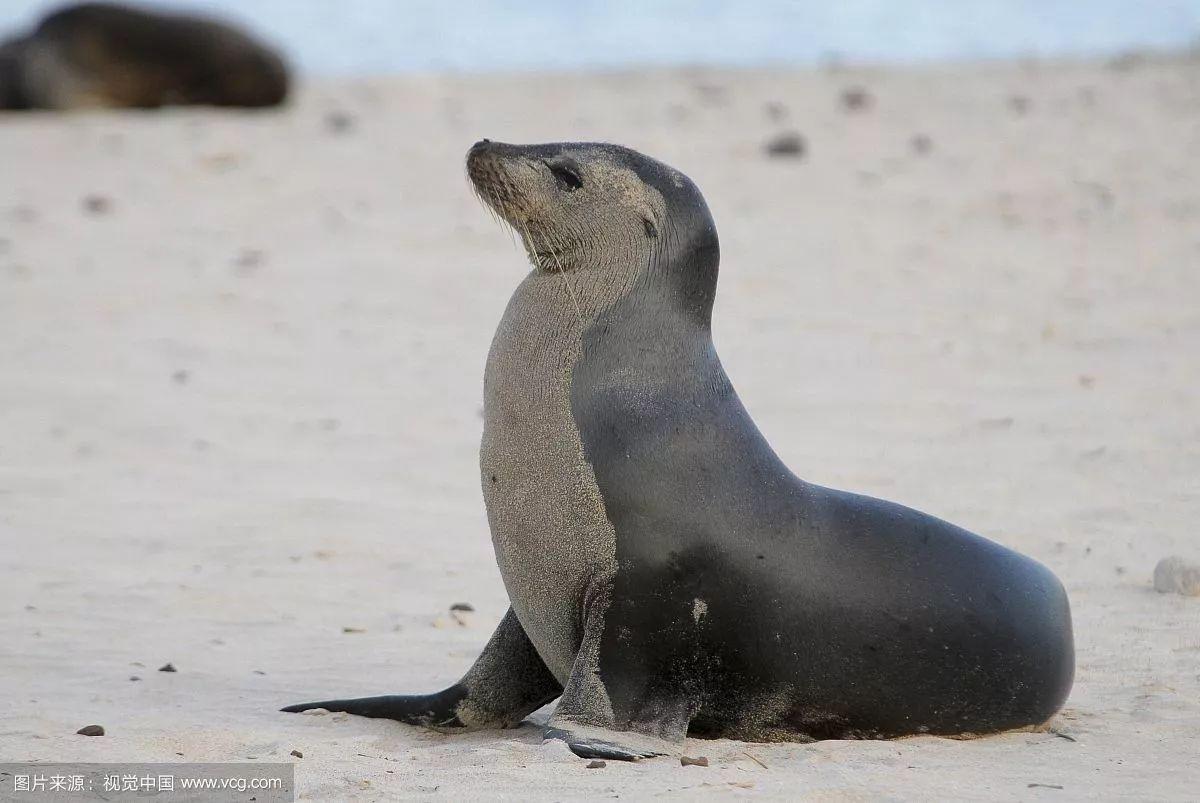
column 553, row 542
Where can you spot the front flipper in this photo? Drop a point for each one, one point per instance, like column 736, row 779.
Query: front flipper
column 507, row 682
column 618, row 703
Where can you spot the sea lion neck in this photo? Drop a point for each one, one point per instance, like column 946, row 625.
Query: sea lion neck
column 599, row 292
column 675, row 279
column 685, row 269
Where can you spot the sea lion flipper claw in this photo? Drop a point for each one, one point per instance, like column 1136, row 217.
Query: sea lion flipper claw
column 592, row 746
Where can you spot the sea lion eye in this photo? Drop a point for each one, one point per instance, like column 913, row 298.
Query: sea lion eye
column 567, row 179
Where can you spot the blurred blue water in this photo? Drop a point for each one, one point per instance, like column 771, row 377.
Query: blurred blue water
column 379, row 36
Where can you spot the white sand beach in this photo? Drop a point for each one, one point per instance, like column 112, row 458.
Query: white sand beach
column 241, row 362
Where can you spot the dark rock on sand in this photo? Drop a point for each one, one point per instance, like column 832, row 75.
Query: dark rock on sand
column 789, row 145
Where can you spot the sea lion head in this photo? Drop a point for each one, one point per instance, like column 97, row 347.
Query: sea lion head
column 583, row 207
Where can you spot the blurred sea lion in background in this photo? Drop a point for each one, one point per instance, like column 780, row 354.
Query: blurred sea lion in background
column 96, row 55
column 12, row 96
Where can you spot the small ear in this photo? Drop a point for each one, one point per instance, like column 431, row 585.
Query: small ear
column 648, row 225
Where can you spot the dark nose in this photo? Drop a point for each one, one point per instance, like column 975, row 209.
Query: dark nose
column 492, row 150
column 478, row 151
column 479, row 148
column 487, row 150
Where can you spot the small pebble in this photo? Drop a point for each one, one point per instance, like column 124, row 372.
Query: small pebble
column 181, row 377
column 688, row 761
column 220, row 162
column 297, row 754
column 1126, row 61
column 134, row 678
column 789, row 144
column 354, row 630
column 248, row 260
column 167, row 668
column 24, row 214
column 339, row 122
column 596, row 765
column 1018, row 104
column 462, row 606
column 91, row 730
column 97, row 205
column 921, row 144
column 1174, row 575
column 856, row 98
column 712, row 95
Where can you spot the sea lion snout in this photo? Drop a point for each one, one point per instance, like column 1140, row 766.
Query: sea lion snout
column 488, row 150
column 500, row 176
column 481, row 147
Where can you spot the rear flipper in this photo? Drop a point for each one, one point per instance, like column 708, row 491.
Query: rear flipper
column 507, row 682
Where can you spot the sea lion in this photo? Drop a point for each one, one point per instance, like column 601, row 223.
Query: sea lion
column 109, row 55
column 667, row 573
